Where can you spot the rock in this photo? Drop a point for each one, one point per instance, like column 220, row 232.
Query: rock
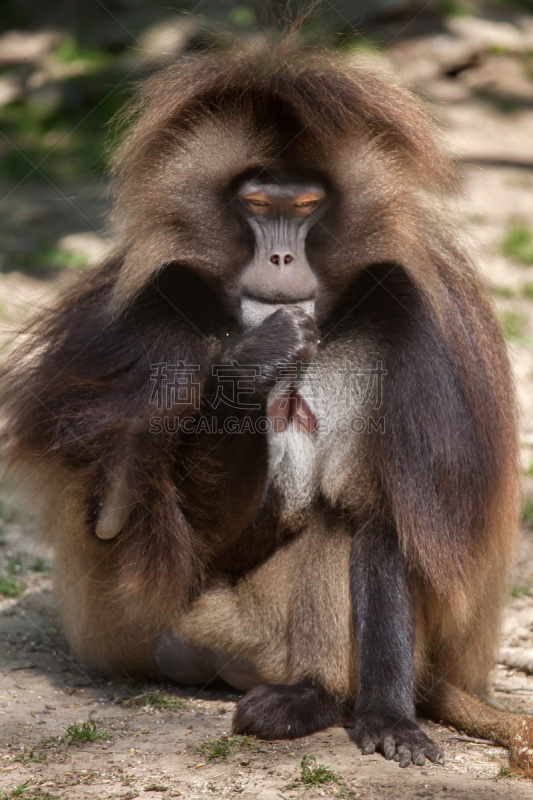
column 483, row 34
column 514, row 658
column 10, row 89
column 18, row 47
column 167, row 39
column 88, row 244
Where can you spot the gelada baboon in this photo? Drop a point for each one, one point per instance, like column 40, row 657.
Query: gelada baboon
column 288, row 353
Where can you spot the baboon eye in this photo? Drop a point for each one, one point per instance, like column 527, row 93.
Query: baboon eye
column 306, row 203
column 258, row 202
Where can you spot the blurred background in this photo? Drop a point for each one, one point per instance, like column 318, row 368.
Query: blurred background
column 66, row 67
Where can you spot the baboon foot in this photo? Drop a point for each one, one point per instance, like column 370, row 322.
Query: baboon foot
column 397, row 738
column 286, row 711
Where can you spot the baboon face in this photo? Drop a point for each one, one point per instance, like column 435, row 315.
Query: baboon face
column 279, row 210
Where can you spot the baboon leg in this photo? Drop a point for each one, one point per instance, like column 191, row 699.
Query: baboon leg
column 104, row 631
column 106, row 628
column 239, row 630
column 320, row 670
column 285, row 629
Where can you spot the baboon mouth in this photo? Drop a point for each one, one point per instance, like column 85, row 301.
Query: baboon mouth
column 255, row 310
column 278, row 299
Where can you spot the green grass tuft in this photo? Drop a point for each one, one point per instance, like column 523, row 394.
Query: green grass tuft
column 507, row 772
column 527, row 511
column 80, row 733
column 527, row 290
column 20, row 790
column 31, row 755
column 220, row 749
column 70, row 52
column 521, row 590
column 159, row 700
column 502, row 291
column 498, row 49
column 451, row 8
column 313, row 774
column 242, row 17
column 21, row 793
column 49, row 257
column 15, row 565
column 10, row 588
column 40, row 565
column 514, row 325
column 518, row 243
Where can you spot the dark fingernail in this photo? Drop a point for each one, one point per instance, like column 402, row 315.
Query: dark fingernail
column 404, row 761
column 389, row 753
column 419, row 760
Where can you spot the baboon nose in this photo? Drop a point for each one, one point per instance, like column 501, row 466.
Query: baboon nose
column 276, row 258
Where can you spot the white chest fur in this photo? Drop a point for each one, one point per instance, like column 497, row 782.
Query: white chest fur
column 343, row 391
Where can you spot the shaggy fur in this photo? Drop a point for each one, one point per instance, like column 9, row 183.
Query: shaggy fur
column 438, row 484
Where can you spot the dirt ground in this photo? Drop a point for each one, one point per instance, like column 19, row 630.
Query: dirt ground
column 148, row 738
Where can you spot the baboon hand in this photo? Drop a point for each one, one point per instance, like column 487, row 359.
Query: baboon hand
column 397, row 737
column 292, row 333
column 288, row 336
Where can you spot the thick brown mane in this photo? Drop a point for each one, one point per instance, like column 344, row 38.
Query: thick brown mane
column 329, row 98
column 376, row 144
column 423, row 509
